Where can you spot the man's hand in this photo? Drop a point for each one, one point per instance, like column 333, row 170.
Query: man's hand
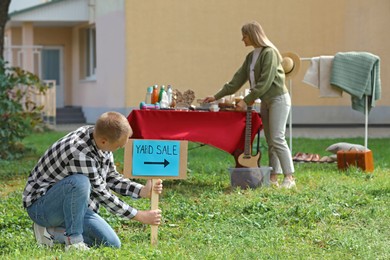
column 150, row 217
column 146, row 190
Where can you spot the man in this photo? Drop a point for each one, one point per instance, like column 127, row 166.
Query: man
column 76, row 175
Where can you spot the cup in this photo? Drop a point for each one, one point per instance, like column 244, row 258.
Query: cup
column 214, row 108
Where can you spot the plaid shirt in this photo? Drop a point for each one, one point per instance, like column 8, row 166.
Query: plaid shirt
column 77, row 153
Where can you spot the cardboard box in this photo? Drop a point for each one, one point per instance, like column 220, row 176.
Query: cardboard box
column 363, row 160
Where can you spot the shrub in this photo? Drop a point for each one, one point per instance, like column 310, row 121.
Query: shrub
column 19, row 113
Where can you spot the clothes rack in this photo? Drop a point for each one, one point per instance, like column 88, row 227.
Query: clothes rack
column 365, row 113
column 290, row 115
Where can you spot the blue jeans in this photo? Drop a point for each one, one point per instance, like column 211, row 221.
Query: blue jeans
column 64, row 211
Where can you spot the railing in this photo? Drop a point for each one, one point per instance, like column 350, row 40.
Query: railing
column 48, row 100
column 17, row 56
column 25, row 57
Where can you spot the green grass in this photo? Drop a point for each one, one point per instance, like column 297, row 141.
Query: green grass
column 331, row 214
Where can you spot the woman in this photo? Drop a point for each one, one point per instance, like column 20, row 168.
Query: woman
column 262, row 67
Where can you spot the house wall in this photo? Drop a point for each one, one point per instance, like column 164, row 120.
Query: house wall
column 59, row 36
column 96, row 94
column 106, row 92
column 51, row 36
column 197, row 45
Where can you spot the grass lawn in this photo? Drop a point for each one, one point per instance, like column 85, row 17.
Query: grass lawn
column 331, row 214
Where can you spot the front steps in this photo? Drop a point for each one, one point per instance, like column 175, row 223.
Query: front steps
column 70, row 115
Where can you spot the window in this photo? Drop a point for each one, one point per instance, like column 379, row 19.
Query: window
column 91, row 52
column 88, row 53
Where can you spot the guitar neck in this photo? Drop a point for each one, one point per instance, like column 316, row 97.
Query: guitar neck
column 248, row 132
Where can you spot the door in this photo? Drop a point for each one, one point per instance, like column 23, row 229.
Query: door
column 51, row 58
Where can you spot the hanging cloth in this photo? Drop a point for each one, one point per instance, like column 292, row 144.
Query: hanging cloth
column 318, row 75
column 357, row 73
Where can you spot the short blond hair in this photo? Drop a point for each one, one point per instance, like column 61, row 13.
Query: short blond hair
column 112, row 125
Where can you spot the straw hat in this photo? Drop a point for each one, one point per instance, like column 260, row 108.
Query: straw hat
column 291, row 64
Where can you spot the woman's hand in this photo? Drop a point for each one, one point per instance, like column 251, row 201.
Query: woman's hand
column 241, row 106
column 146, row 191
column 209, row 99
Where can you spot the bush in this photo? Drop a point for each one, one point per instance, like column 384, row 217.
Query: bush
column 19, row 114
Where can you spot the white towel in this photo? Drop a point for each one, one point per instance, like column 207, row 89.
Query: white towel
column 311, row 77
column 318, row 75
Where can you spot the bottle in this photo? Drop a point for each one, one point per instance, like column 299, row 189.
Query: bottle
column 155, row 94
column 169, row 94
column 162, row 90
column 164, row 100
column 148, row 98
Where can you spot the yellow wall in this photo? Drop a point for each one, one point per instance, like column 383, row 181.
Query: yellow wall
column 197, row 44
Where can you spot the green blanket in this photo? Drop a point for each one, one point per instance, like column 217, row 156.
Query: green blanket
column 357, row 73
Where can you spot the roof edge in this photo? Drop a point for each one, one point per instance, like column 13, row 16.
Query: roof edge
column 33, row 7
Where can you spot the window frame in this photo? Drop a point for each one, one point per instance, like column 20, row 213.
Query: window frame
column 90, row 53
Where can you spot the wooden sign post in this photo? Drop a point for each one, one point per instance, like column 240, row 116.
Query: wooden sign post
column 154, row 205
column 155, row 159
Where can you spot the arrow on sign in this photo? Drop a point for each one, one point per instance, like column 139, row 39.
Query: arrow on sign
column 165, row 162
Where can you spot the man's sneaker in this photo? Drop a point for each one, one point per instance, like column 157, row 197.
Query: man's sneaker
column 81, row 246
column 288, row 183
column 42, row 236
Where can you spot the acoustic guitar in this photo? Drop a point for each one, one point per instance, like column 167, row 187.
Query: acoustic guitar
column 246, row 159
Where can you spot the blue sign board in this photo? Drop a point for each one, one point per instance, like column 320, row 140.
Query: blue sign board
column 156, row 158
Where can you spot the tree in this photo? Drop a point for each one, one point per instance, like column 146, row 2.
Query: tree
column 19, row 113
column 4, row 5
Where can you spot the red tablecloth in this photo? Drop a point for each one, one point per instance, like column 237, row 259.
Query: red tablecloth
column 223, row 129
